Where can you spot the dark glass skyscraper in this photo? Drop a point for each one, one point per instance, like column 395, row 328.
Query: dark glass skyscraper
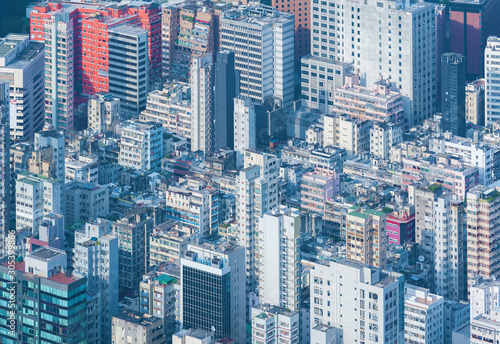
column 225, row 89
column 453, row 71
column 213, row 294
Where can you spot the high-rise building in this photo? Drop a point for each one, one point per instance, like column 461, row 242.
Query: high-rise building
column 383, row 44
column 484, row 296
column 130, row 324
column 485, row 328
column 83, row 43
column 320, row 77
column 424, row 316
column 226, row 88
column 141, row 145
column 344, row 131
column 158, row 294
column 263, row 43
column 95, row 256
column 195, row 204
column 55, row 140
column 278, row 255
column 275, row 325
column 482, row 224
column 474, row 102
column 245, row 127
column 213, row 295
column 202, row 96
column 171, row 107
column 471, row 23
column 364, row 304
column 453, row 93
column 37, row 196
column 440, row 221
column 103, row 110
column 85, row 201
column 43, row 285
column 301, row 11
column 133, row 232
column 128, row 78
column 366, row 237
column 22, row 64
column 492, row 77
column 382, row 137
column 5, row 173
column 188, row 31
column 257, row 194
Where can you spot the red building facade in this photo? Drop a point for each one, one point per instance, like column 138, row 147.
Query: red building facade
column 90, row 26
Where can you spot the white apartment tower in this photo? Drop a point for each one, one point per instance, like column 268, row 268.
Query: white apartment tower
column 424, row 316
column 141, row 145
column 390, row 38
column 251, row 200
column 262, row 39
column 492, row 77
column 202, row 84
column 59, row 72
column 37, row 196
column 279, row 258
column 245, row 126
column 364, row 304
column 103, row 110
column 95, row 256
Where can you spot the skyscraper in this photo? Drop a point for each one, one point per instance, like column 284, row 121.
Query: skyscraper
column 492, row 78
column 96, row 257
column 83, row 43
column 23, row 66
column 380, row 38
column 55, row 302
column 202, row 95
column 278, row 252
column 133, row 232
column 263, row 43
column 453, row 93
column 482, row 225
column 5, row 176
column 471, row 23
column 188, row 31
column 213, row 295
column 226, row 89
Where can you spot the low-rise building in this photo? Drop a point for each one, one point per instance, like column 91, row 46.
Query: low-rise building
column 129, row 325
column 318, row 187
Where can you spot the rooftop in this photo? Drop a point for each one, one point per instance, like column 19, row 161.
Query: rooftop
column 138, row 318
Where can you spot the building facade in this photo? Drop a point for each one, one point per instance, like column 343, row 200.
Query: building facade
column 383, row 44
column 263, row 43
column 213, row 290
column 22, row 65
column 453, row 72
column 279, row 258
